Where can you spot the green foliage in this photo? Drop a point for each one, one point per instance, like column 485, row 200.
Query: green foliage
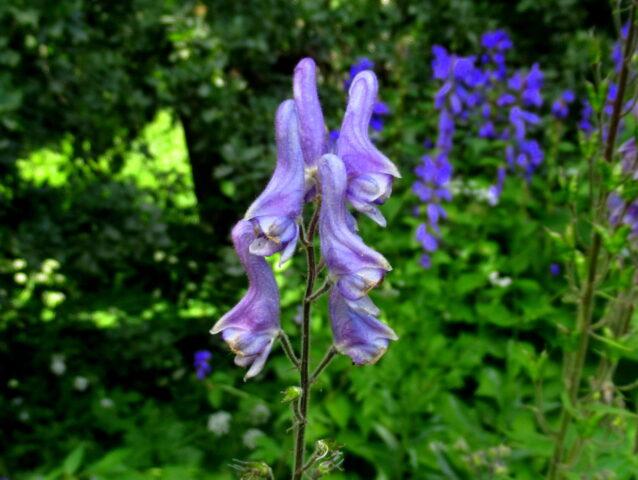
column 109, row 113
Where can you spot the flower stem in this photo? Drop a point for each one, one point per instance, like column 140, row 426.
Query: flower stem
column 330, row 354
column 287, row 346
column 574, row 366
column 304, row 383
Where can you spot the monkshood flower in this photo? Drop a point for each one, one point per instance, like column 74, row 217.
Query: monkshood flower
column 380, row 109
column 554, row 269
column 354, row 267
column 370, row 173
column 251, row 327
column 312, row 128
column 201, row 363
column 275, row 212
column 560, row 107
column 357, row 333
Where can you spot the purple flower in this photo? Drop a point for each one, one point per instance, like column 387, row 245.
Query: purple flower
column 615, row 207
column 361, row 65
column 586, row 114
column 275, row 212
column 380, row 109
column 554, row 269
column 560, row 107
column 370, row 173
column 312, row 128
column 495, row 191
column 201, row 363
column 251, row 327
column 356, row 332
column 428, row 241
column 629, row 156
column 354, row 267
column 529, row 85
column 497, row 40
column 519, row 118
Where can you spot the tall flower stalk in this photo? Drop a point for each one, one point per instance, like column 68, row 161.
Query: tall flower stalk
column 574, row 362
column 330, row 177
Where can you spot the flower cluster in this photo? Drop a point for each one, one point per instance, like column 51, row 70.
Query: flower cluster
column 310, row 168
column 480, row 92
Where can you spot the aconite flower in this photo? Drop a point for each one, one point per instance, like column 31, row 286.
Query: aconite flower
column 357, row 333
column 252, row 326
column 370, row 173
column 354, row 267
column 275, row 212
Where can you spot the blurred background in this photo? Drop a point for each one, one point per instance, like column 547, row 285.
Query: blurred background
column 134, row 133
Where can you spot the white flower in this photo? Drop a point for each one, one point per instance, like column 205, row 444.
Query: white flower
column 41, row 277
column 260, row 414
column 19, row 264
column 53, row 299
column 80, row 383
column 158, row 256
column 250, row 438
column 219, row 423
column 58, row 366
column 49, row 265
column 20, row 278
column 498, row 281
column 107, row 403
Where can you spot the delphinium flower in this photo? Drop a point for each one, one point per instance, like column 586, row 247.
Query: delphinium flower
column 586, row 115
column 560, row 107
column 457, row 95
column 496, row 44
column 479, row 93
column 201, row 362
column 251, row 327
column 629, row 156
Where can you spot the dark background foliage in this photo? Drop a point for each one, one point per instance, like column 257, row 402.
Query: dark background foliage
column 144, row 267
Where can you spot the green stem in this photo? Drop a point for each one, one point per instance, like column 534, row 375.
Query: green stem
column 574, row 367
column 304, row 383
column 330, row 354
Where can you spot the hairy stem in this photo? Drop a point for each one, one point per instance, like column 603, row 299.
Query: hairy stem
column 304, row 383
column 574, row 366
column 330, row 354
column 287, row 346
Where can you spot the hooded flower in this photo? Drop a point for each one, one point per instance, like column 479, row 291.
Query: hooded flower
column 370, row 173
column 357, row 333
column 252, row 326
column 355, row 267
column 312, row 128
column 274, row 213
